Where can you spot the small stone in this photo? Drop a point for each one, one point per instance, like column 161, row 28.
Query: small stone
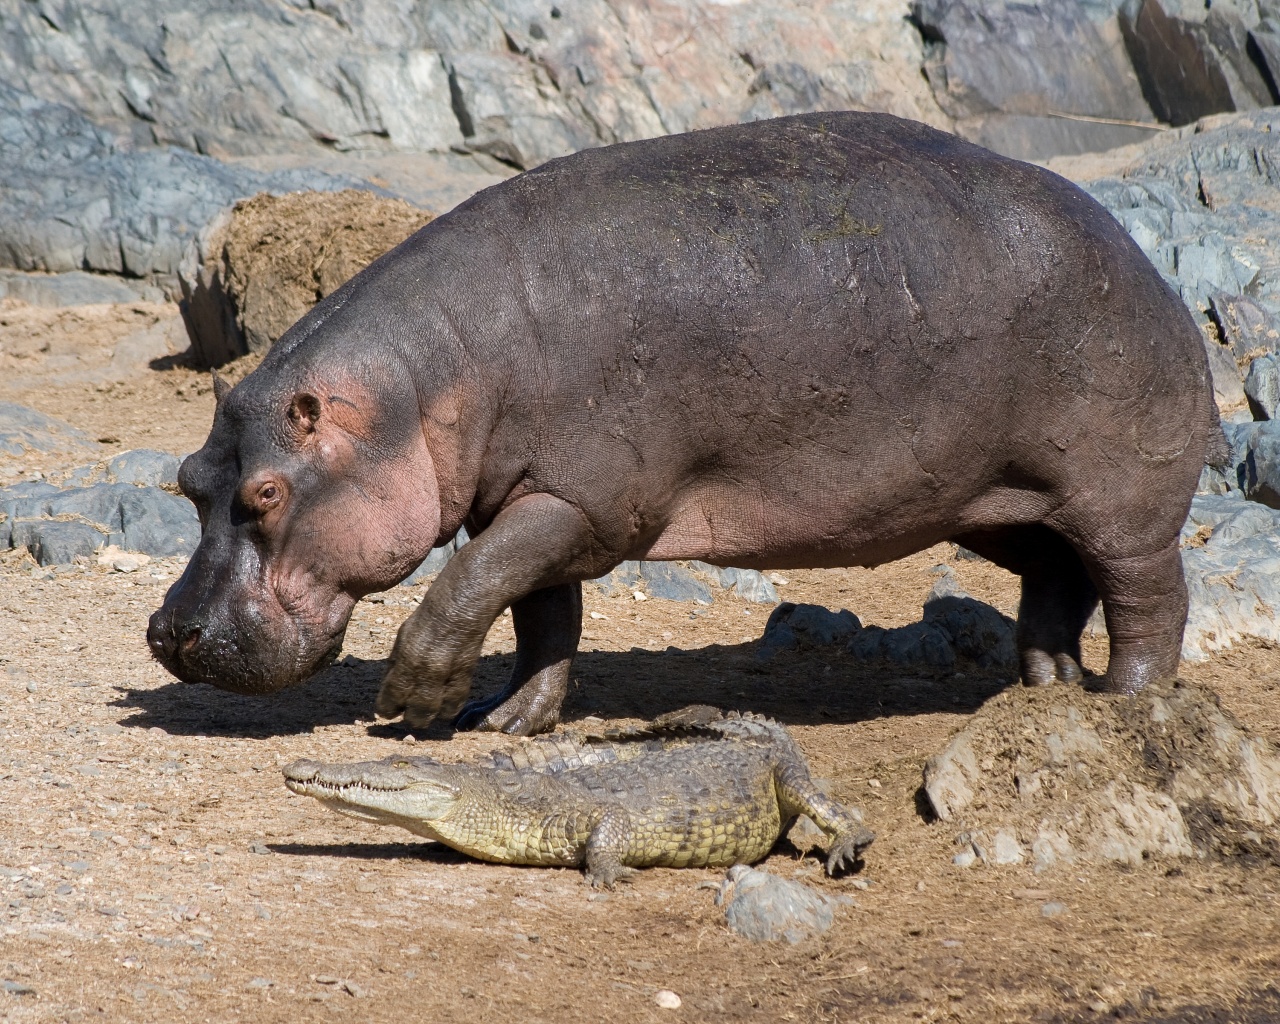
column 873, row 783
column 1052, row 909
column 638, row 595
column 1005, row 848
column 763, row 908
column 258, row 848
column 32, row 687
column 63, row 890
column 965, row 859
column 260, row 983
column 667, row 999
column 17, row 988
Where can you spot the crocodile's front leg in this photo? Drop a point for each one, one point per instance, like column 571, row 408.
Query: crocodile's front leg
column 610, row 842
column 798, row 795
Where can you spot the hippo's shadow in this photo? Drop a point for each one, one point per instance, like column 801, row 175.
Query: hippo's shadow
column 805, row 687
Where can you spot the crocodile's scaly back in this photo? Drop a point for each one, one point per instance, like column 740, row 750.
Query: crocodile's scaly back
column 697, row 788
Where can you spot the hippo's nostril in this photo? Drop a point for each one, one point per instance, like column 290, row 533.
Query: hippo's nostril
column 190, row 638
column 160, row 639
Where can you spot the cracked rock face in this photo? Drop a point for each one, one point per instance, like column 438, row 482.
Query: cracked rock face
column 1056, row 775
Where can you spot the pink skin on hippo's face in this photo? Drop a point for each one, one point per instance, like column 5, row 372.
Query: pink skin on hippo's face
column 299, row 522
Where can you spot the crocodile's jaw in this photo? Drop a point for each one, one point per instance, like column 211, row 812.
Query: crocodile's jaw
column 411, row 803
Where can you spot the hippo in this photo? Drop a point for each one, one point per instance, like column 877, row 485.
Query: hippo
column 824, row 340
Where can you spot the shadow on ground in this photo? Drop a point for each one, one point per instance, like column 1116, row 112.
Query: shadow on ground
column 797, row 688
column 428, row 852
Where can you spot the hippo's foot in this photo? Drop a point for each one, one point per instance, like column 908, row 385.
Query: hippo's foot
column 548, row 623
column 530, row 709
column 1042, row 669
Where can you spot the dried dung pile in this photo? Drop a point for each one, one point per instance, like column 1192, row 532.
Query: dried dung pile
column 1057, row 774
column 269, row 259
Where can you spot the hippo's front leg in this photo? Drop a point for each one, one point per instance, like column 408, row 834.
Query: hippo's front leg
column 548, row 626
column 539, row 543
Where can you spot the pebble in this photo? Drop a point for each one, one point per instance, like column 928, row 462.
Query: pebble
column 667, row 999
column 17, row 988
column 1053, row 909
column 32, row 687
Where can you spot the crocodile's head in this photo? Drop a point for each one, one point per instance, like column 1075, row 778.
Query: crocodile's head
column 410, row 792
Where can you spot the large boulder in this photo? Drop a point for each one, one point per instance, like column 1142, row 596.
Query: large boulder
column 74, row 196
column 521, row 79
column 1033, row 81
column 264, row 263
column 1196, row 60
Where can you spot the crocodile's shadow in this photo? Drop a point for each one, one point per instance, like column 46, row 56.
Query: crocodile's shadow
column 434, row 853
column 823, row 685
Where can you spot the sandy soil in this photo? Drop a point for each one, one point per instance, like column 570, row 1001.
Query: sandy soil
column 154, row 868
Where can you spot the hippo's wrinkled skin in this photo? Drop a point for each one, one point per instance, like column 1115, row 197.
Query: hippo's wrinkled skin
column 824, row 340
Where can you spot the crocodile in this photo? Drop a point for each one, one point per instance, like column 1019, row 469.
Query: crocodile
column 697, row 788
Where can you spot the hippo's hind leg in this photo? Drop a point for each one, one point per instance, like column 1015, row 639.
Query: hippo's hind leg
column 1057, row 598
column 548, row 625
column 1144, row 598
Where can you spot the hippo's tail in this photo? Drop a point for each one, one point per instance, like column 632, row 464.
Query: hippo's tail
column 1218, row 453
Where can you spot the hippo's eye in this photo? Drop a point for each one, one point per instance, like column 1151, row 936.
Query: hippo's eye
column 268, row 497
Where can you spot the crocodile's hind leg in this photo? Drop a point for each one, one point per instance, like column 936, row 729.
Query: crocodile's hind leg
column 609, row 843
column 798, row 795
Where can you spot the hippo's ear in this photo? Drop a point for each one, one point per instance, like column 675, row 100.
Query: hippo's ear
column 221, row 387
column 304, row 413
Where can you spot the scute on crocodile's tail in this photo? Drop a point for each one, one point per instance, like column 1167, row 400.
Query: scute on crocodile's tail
column 550, row 754
column 694, row 716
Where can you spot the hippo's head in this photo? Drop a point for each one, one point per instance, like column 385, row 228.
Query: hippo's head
column 314, row 489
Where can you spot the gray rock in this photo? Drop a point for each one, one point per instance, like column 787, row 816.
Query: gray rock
column 673, row 582
column 765, row 908
column 1035, row 97
column 1228, row 390
column 921, row 643
column 1262, row 387
column 57, row 526
column 1199, row 201
column 976, row 630
column 55, row 543
column 75, row 288
column 1231, row 558
column 748, row 584
column 144, row 466
column 792, row 626
column 1261, row 470
column 24, row 430
column 1244, row 325
column 73, row 196
column 1189, row 70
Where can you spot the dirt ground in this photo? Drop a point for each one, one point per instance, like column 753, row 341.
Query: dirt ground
column 154, row 868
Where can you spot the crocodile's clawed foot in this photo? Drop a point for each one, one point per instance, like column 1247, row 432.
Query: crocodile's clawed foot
column 846, row 849
column 607, row 876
